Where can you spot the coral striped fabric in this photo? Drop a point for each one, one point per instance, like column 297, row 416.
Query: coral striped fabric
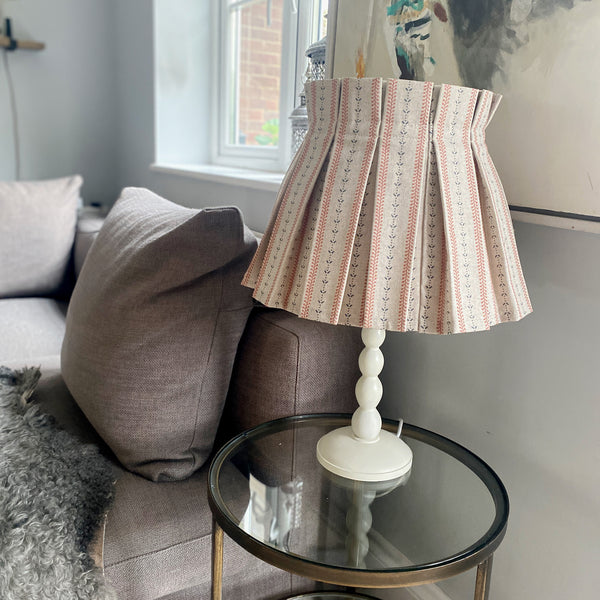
column 392, row 214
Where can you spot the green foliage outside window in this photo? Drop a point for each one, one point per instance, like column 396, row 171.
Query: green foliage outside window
column 271, row 135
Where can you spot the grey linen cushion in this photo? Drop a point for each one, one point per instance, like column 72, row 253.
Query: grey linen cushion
column 37, row 229
column 153, row 327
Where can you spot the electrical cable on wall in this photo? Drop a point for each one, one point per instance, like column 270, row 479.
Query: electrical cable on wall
column 9, row 44
column 14, row 114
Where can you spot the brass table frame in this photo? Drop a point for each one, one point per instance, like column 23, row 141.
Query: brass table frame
column 480, row 554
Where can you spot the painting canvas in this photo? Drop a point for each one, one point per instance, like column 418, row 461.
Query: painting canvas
column 540, row 55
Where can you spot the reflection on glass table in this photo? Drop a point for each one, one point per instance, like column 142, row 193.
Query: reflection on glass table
column 269, row 493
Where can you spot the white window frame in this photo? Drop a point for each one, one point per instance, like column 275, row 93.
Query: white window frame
column 298, row 22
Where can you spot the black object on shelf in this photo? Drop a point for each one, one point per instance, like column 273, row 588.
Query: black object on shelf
column 12, row 43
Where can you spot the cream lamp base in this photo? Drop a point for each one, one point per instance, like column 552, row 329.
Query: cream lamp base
column 340, row 452
column 365, row 451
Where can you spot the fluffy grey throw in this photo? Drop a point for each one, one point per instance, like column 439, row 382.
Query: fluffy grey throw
column 54, row 491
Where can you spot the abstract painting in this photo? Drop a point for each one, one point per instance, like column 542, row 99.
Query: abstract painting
column 539, row 54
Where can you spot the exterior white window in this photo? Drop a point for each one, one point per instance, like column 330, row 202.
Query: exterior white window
column 259, row 77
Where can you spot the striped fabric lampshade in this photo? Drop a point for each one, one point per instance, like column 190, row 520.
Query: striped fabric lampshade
column 392, row 217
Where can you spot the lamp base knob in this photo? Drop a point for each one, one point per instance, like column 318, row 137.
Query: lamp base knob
column 342, row 453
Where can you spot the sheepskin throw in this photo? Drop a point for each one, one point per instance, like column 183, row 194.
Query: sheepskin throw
column 54, row 492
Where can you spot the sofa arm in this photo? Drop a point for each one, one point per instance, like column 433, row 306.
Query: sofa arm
column 288, row 366
column 87, row 229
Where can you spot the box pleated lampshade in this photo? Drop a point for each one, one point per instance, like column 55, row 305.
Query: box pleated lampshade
column 392, row 215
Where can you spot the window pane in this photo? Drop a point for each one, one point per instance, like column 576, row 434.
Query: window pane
column 255, row 71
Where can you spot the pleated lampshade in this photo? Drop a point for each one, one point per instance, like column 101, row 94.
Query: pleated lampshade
column 391, row 217
column 392, row 214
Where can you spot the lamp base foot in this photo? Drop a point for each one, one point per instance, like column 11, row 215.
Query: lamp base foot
column 342, row 453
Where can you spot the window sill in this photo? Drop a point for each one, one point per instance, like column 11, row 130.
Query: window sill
column 258, row 180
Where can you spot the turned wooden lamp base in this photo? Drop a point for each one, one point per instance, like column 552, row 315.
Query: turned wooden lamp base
column 365, row 451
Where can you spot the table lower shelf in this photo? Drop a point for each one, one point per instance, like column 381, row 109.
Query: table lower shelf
column 331, row 596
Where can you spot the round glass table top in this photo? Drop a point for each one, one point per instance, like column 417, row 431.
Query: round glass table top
column 269, row 493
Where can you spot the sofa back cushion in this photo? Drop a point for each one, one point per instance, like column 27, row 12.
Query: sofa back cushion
column 153, row 327
column 37, row 230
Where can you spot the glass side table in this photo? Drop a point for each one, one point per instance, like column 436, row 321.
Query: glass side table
column 268, row 492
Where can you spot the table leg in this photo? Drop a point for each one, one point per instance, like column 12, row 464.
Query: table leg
column 482, row 583
column 217, row 561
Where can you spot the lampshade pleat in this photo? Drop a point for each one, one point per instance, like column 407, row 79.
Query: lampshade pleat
column 469, row 279
column 349, row 165
column 391, row 296
column 392, row 214
column 510, row 291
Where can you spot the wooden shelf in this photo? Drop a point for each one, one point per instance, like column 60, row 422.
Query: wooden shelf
column 5, row 42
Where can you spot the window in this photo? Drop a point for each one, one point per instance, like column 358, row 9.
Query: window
column 260, row 75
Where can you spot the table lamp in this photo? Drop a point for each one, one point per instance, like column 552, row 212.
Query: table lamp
column 391, row 217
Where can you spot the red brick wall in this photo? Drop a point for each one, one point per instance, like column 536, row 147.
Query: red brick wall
column 260, row 65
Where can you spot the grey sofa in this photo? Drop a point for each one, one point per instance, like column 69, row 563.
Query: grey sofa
column 157, row 535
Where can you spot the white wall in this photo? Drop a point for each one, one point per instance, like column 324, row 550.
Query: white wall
column 134, row 92
column 65, row 94
column 182, row 37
